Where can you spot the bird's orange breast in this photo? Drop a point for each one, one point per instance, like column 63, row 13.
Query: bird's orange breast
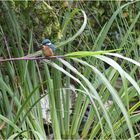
column 47, row 51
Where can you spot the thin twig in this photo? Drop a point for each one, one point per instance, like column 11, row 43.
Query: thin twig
column 31, row 58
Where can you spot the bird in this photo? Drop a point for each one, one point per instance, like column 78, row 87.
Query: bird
column 48, row 48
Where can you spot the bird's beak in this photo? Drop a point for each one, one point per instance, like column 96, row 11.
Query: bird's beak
column 40, row 46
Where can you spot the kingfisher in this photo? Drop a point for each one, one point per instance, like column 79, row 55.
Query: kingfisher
column 48, row 48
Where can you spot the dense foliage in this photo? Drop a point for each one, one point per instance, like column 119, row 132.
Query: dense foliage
column 93, row 93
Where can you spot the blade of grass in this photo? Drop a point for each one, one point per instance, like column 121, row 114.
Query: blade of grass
column 92, row 89
column 86, row 90
column 54, row 117
column 77, row 33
